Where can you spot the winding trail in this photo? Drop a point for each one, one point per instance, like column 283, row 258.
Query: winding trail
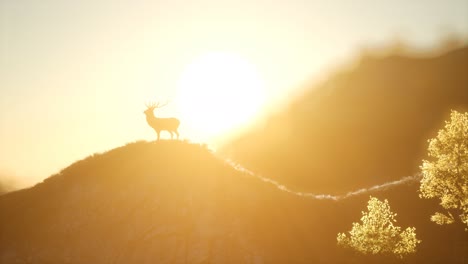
column 380, row 187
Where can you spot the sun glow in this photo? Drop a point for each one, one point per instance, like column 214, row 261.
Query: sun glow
column 219, row 92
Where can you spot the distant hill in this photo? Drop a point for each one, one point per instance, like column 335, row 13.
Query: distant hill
column 363, row 126
column 6, row 184
column 175, row 202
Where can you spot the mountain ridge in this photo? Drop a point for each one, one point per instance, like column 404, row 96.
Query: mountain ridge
column 360, row 127
column 177, row 202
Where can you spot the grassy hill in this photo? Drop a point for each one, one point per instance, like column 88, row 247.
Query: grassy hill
column 363, row 126
column 176, row 202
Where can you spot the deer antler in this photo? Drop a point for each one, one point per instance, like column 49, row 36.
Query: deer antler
column 152, row 105
column 155, row 105
column 159, row 105
column 149, row 105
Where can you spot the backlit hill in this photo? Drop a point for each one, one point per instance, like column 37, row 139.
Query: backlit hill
column 175, row 202
column 362, row 126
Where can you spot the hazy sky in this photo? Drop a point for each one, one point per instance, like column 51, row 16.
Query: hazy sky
column 74, row 75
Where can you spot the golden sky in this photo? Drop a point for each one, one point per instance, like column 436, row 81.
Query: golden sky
column 74, row 75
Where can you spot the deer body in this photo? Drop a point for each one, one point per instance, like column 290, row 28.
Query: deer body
column 160, row 124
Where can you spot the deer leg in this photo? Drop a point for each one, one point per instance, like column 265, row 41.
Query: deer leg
column 177, row 133
column 157, row 133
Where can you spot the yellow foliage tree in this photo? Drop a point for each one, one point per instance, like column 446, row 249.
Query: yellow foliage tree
column 446, row 176
column 377, row 233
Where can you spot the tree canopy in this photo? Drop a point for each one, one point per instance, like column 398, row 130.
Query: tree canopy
column 445, row 176
column 378, row 234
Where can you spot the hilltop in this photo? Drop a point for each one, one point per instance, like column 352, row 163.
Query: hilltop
column 138, row 203
column 362, row 126
column 176, row 202
column 146, row 202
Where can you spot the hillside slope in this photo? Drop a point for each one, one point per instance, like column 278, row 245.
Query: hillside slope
column 175, row 202
column 361, row 127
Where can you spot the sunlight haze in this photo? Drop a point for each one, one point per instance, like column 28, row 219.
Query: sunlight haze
column 218, row 92
column 75, row 75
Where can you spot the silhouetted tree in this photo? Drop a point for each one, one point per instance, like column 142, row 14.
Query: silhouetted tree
column 377, row 233
column 446, row 176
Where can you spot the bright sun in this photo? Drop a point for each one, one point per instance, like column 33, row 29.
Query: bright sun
column 219, row 92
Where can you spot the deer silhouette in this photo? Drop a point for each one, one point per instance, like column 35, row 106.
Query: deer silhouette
column 159, row 124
